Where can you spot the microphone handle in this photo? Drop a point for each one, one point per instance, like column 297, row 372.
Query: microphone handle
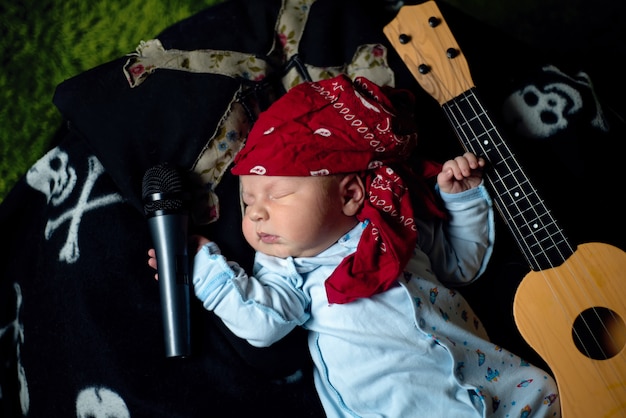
column 169, row 237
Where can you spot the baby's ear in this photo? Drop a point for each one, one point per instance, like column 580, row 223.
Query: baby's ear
column 353, row 193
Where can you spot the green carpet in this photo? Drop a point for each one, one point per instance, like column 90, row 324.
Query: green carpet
column 44, row 42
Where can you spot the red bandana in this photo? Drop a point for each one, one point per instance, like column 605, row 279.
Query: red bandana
column 336, row 126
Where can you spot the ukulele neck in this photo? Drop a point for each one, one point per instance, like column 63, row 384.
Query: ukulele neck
column 535, row 230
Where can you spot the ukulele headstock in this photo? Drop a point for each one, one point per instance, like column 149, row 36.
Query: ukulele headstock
column 422, row 38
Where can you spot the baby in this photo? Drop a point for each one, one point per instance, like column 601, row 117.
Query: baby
column 353, row 246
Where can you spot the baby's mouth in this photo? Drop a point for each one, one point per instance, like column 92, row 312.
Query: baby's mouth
column 267, row 238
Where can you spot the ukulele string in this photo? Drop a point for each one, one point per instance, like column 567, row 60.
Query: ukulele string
column 456, row 81
column 479, row 149
column 536, row 218
column 472, row 142
column 586, row 321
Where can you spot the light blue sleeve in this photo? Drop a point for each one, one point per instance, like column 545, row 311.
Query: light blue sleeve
column 461, row 248
column 261, row 309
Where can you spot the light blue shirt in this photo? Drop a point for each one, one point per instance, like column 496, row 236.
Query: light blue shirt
column 417, row 349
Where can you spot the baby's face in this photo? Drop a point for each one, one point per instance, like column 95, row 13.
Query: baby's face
column 292, row 216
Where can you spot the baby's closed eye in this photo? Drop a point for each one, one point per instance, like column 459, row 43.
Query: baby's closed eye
column 280, row 194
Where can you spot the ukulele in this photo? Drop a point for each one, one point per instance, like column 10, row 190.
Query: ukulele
column 570, row 308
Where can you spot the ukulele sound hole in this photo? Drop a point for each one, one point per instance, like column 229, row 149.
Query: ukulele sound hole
column 599, row 333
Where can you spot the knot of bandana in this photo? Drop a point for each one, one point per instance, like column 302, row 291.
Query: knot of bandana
column 386, row 243
column 336, row 126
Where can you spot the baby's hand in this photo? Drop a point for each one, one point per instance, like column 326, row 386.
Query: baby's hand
column 460, row 174
column 195, row 243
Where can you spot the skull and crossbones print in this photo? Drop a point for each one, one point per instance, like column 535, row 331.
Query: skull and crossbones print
column 56, row 178
column 541, row 110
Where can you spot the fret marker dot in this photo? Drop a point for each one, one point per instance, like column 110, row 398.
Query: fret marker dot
column 535, row 226
column 516, row 194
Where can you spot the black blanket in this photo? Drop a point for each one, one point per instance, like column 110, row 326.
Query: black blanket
column 80, row 323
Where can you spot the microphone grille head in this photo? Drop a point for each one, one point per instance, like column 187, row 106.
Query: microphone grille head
column 166, row 182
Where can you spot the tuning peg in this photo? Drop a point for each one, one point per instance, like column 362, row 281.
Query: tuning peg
column 452, row 52
column 433, row 21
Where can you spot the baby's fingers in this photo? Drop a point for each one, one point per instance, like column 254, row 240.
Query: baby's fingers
column 467, row 164
column 152, row 261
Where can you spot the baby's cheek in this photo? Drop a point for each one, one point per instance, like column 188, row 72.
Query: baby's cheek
column 249, row 232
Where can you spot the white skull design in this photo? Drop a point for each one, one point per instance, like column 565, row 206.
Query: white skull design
column 53, row 176
column 100, row 402
column 540, row 113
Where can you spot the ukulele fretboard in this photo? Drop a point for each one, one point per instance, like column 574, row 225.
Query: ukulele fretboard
column 537, row 233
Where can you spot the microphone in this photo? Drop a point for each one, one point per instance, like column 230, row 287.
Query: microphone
column 166, row 208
